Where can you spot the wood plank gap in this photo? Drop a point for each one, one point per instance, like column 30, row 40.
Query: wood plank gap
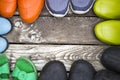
column 58, row 44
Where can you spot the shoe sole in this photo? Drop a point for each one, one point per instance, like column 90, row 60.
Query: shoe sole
column 81, row 12
column 57, row 15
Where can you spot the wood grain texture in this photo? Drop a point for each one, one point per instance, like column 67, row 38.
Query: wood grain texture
column 67, row 30
column 41, row 54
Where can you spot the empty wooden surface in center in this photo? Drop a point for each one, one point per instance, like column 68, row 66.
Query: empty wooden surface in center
column 48, row 38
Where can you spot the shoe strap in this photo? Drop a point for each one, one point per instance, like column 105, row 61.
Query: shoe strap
column 4, row 72
column 4, row 69
column 22, row 75
column 4, row 77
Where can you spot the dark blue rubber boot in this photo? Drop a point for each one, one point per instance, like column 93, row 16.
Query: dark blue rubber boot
column 53, row 70
column 111, row 58
column 107, row 75
column 82, row 70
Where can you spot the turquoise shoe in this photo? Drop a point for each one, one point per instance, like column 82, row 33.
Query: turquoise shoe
column 24, row 70
column 4, row 67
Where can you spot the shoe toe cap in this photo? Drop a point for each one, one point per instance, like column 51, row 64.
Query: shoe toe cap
column 3, row 44
column 106, row 75
column 108, row 32
column 53, row 70
column 57, row 6
column 81, row 5
column 110, row 58
column 82, row 70
column 5, row 26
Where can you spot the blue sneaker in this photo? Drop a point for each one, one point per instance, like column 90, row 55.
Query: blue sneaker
column 57, row 8
column 3, row 44
column 81, row 6
column 5, row 26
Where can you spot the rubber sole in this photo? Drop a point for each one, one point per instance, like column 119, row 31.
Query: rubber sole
column 81, row 12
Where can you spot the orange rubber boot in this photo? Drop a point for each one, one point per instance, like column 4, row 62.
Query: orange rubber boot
column 7, row 8
column 30, row 9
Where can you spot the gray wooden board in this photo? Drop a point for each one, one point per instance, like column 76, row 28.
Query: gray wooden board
column 67, row 30
column 41, row 54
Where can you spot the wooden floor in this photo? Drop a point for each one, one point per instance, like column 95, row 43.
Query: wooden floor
column 66, row 39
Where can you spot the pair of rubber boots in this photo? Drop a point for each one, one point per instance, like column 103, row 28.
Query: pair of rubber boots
column 60, row 8
column 83, row 70
column 5, row 28
column 108, row 31
column 24, row 69
column 111, row 61
column 55, row 70
column 29, row 9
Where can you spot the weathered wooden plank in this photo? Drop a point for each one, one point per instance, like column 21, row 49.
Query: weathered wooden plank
column 70, row 13
column 67, row 30
column 41, row 54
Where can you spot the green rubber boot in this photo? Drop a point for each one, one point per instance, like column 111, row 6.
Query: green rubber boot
column 4, row 67
column 24, row 70
column 108, row 9
column 108, row 32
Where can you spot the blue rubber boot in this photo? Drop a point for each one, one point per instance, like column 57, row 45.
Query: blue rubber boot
column 5, row 26
column 3, row 44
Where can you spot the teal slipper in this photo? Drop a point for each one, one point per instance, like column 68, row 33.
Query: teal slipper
column 24, row 70
column 4, row 67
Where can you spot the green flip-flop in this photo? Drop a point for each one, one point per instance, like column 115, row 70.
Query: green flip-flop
column 24, row 70
column 4, row 67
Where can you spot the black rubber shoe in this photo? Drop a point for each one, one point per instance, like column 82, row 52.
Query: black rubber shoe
column 107, row 75
column 82, row 70
column 53, row 70
column 111, row 58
